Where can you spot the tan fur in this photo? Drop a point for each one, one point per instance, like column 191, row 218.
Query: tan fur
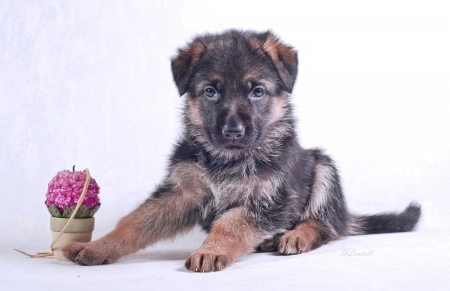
column 354, row 225
column 251, row 189
column 271, row 46
column 253, row 75
column 184, row 63
column 258, row 76
column 278, row 109
column 274, row 48
column 190, row 55
column 154, row 220
column 211, row 78
column 193, row 112
column 255, row 43
column 280, row 55
column 303, row 238
column 232, row 236
column 319, row 191
column 191, row 178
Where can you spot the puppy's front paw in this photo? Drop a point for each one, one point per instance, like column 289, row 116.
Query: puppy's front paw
column 292, row 243
column 88, row 254
column 200, row 261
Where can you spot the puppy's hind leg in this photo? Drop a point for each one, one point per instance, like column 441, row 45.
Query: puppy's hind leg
column 157, row 218
column 325, row 216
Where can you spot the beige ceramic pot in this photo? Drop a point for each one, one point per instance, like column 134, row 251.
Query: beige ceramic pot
column 79, row 230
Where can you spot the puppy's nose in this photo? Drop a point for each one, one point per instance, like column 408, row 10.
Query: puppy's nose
column 233, row 132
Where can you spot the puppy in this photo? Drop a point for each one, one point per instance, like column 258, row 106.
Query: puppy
column 239, row 171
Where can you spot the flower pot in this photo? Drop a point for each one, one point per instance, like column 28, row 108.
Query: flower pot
column 79, row 230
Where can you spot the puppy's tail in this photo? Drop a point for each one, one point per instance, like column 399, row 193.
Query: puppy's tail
column 385, row 222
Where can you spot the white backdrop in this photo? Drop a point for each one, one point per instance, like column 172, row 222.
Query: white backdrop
column 88, row 83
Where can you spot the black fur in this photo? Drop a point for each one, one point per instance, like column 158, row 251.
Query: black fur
column 389, row 222
column 266, row 151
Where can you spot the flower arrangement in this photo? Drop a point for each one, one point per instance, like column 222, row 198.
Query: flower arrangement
column 62, row 199
column 64, row 191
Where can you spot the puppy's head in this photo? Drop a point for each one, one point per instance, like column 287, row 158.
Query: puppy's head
column 236, row 85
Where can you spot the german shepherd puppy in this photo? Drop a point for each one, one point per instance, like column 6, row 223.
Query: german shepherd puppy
column 239, row 171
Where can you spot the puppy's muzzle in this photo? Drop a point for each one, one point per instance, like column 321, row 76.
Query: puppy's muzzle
column 233, row 132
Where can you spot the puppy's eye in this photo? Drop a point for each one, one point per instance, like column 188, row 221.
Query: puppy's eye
column 258, row 92
column 210, row 92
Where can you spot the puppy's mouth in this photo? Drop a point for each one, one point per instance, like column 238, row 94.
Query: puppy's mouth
column 234, row 146
column 237, row 145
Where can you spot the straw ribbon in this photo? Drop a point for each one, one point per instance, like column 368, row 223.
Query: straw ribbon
column 80, row 201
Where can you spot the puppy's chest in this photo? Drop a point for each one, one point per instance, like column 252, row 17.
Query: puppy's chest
column 220, row 190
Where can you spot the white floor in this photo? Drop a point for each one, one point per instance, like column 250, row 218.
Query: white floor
column 401, row 261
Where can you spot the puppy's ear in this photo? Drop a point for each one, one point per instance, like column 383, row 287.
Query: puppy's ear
column 184, row 63
column 285, row 59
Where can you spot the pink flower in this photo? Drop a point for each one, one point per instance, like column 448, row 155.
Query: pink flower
column 65, row 189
